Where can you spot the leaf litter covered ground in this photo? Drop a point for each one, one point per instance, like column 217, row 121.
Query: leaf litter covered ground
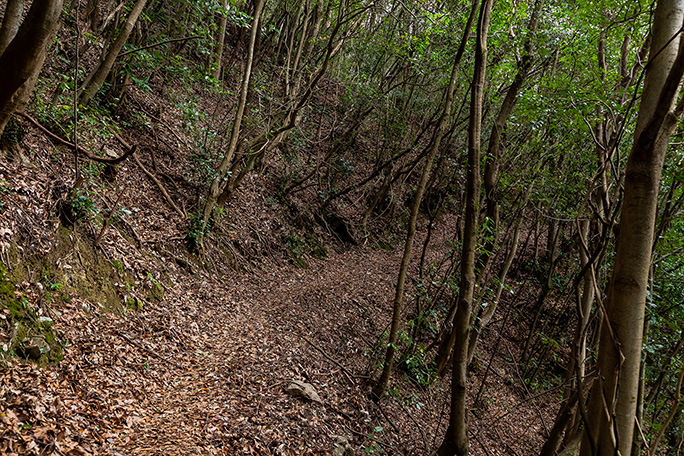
column 203, row 371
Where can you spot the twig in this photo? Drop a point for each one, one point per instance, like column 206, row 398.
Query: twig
column 146, row 350
column 109, row 217
column 420, row 428
column 344, row 369
column 77, row 167
column 111, row 15
column 158, row 44
column 340, row 412
column 111, row 161
column 394, row 426
column 161, row 122
column 484, row 447
column 150, row 175
column 206, row 422
column 161, row 187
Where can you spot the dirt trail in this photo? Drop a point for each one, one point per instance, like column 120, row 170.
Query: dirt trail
column 203, row 372
column 244, row 340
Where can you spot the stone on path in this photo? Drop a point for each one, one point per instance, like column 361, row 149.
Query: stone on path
column 342, row 447
column 305, row 390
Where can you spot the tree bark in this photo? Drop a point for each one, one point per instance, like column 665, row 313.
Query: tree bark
column 10, row 22
column 25, row 54
column 220, row 41
column 613, row 400
column 456, row 438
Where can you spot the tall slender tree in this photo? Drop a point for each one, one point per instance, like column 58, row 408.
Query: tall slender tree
column 221, row 179
column 613, row 401
column 456, row 438
column 437, row 137
column 217, row 55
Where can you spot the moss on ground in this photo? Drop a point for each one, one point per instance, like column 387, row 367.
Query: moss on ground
column 73, row 267
column 25, row 334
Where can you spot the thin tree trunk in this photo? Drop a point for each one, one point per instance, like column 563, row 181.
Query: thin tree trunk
column 653, row 448
column 613, row 400
column 441, row 129
column 296, row 80
column 344, row 141
column 97, row 77
column 10, row 22
column 552, row 243
column 456, row 438
column 219, row 181
column 270, row 139
column 493, row 155
column 567, row 415
column 488, row 313
column 290, row 46
column 220, row 41
column 91, row 15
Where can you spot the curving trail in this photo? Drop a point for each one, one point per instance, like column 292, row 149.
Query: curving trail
column 238, row 344
column 203, row 372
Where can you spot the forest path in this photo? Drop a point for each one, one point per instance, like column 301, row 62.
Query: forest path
column 232, row 347
column 203, row 372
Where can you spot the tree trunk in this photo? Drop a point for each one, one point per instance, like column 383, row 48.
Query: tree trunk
column 97, row 77
column 220, row 41
column 456, row 439
column 25, row 54
column 488, row 313
column 10, row 22
column 613, row 400
column 492, row 157
column 219, row 181
column 440, row 130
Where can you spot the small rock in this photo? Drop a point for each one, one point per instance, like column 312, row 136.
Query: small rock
column 305, row 390
column 41, row 343
column 342, row 447
column 33, row 348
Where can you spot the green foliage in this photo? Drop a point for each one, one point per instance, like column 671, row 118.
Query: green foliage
column 418, row 368
column 376, row 436
column 80, row 205
column 197, row 229
column 377, row 352
column 117, row 265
